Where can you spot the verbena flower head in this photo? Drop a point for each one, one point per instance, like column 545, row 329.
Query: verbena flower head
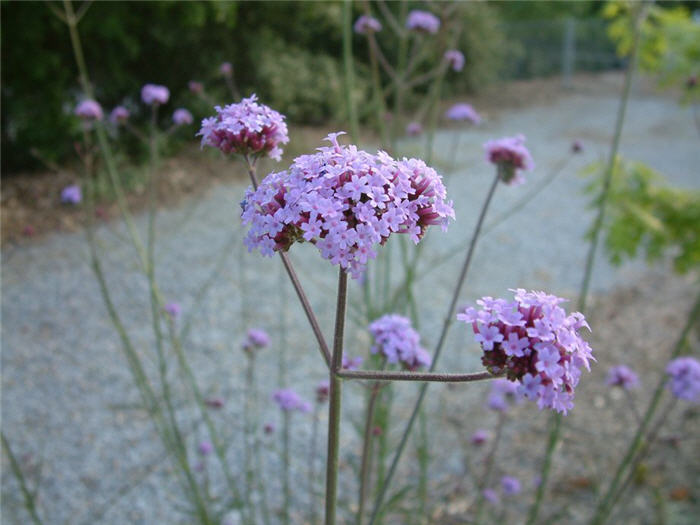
column 396, row 339
column 246, row 128
column 72, row 194
column 533, row 342
column 288, row 400
column 455, row 58
column 268, row 428
column 480, row 437
column 89, row 110
column 491, row 496
column 503, row 393
column 511, row 157
column 205, row 448
column 346, row 202
column 226, row 69
column 422, row 22
column 256, row 339
column 352, row 363
column 413, row 129
column 510, row 485
column 182, row 117
column 119, row 115
column 684, row 378
column 622, row 376
column 152, row 94
column 367, row 24
column 463, row 112
column 323, row 390
column 173, row 310
column 195, row 87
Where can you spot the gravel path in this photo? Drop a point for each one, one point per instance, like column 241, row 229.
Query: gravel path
column 68, row 402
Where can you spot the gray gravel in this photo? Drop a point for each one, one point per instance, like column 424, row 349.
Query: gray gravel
column 68, row 402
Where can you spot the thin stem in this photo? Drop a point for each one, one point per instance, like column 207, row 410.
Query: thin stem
column 306, row 305
column 590, row 258
column 286, row 480
column 436, row 354
column 313, row 518
column 334, row 401
column 366, row 452
column 349, row 77
column 427, row 377
column 488, row 467
column 250, row 409
column 29, row 497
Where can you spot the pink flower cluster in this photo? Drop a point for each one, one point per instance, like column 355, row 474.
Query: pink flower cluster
column 346, row 202
column 398, row 341
column 455, row 58
column 119, row 115
column 246, row 128
column 511, row 156
column 154, row 94
column 256, row 339
column 182, row 117
column 89, row 110
column 535, row 343
column 463, row 111
column 423, row 22
column 367, row 24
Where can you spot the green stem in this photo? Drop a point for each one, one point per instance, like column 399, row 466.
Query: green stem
column 313, row 518
column 29, row 498
column 349, row 71
column 488, row 467
column 286, row 480
column 366, row 452
column 334, row 401
column 555, row 425
column 449, row 317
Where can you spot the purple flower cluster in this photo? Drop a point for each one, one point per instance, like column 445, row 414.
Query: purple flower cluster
column 463, row 111
column 323, row 389
column 256, row 339
column 89, row 110
column 367, row 24
column 455, row 58
column 154, row 94
column 479, row 437
column 511, row 156
column 195, row 87
column 246, row 128
column 398, row 341
column 502, row 392
column 351, row 363
column 622, row 376
column 346, row 202
column 684, row 378
column 71, row 194
column 119, row 115
column 413, row 129
column 510, row 485
column 226, row 69
column 182, row 117
column 288, row 400
column 535, row 343
column 173, row 310
column 423, row 22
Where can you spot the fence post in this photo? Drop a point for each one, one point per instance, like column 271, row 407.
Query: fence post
column 568, row 53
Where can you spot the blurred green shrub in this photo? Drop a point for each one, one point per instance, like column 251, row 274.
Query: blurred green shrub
column 645, row 214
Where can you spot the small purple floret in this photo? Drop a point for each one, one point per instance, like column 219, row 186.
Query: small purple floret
column 119, row 115
column 622, row 376
column 463, row 112
column 684, row 378
column 352, row 363
column 205, row 448
column 455, row 58
column 423, row 22
column 511, row 157
column 226, row 69
column 288, row 400
column 256, row 339
column 72, row 194
column 195, row 87
column 510, row 485
column 367, row 24
column 413, row 129
column 182, row 117
column 173, row 310
column 89, row 110
column 480, row 437
column 503, row 393
column 153, row 94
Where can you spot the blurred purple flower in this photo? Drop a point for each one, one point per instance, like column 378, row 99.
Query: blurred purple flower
column 367, row 24
column 480, row 437
column 89, row 110
column 182, row 117
column 268, row 428
column 72, row 194
column 502, row 392
column 398, row 341
column 352, row 363
column 510, row 485
column 455, row 58
column 226, row 69
column 511, row 157
column 322, row 391
column 119, row 115
column 195, row 87
column 461, row 111
column 491, row 496
column 256, row 339
column 622, row 376
column 173, row 310
column 576, row 146
column 413, row 129
column 423, row 22
column 152, row 94
column 288, row 400
column 214, row 402
column 684, row 378
column 205, row 448
column 246, row 128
